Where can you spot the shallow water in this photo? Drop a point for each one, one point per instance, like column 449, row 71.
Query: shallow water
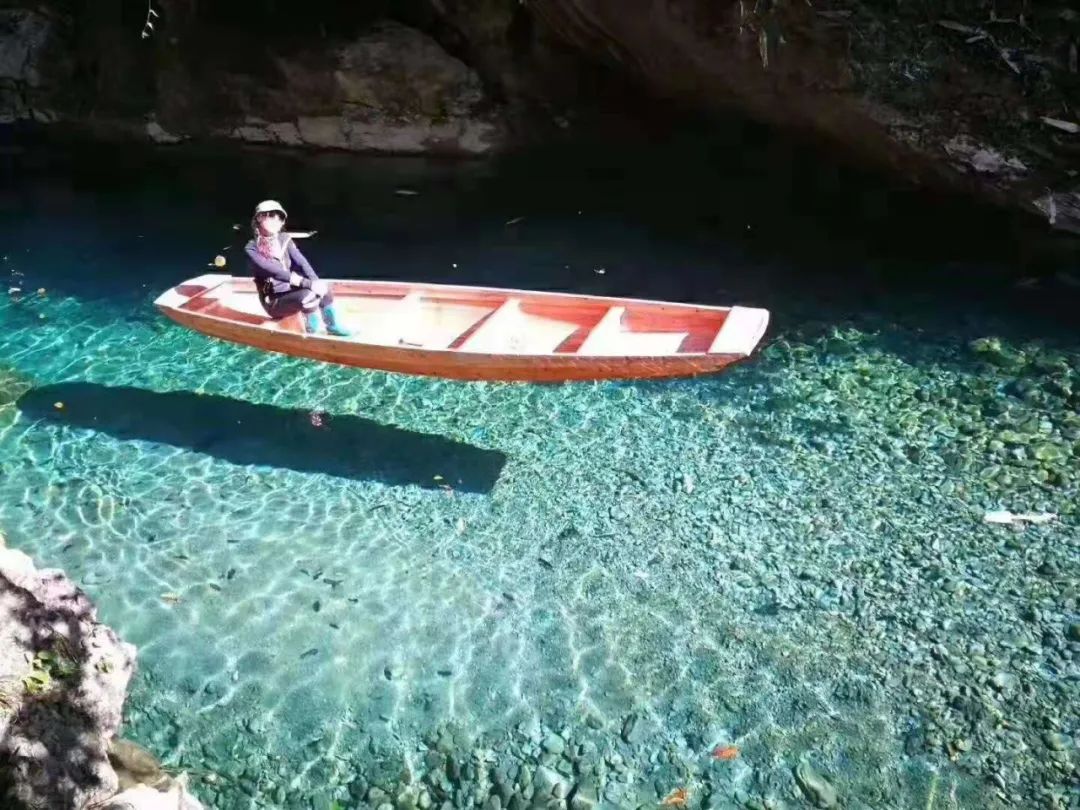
column 334, row 576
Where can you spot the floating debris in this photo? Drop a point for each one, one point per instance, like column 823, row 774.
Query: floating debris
column 406, row 192
column 1065, row 126
column 309, row 653
column 1005, row 517
column 677, row 798
column 725, row 752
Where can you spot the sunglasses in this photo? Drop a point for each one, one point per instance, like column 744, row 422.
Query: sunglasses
column 265, row 214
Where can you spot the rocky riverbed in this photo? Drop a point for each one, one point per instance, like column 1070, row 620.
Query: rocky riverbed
column 831, row 632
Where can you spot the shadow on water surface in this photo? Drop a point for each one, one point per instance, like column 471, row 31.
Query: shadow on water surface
column 243, row 433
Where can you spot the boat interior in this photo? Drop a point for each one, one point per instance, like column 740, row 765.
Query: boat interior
column 495, row 322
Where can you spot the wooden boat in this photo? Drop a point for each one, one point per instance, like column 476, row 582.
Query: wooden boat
column 481, row 333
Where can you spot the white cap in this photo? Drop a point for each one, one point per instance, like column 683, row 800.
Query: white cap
column 269, row 205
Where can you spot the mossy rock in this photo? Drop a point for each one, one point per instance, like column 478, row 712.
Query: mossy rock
column 1049, row 453
column 1012, row 437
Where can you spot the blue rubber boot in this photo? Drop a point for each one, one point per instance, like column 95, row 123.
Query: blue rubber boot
column 311, row 322
column 333, row 325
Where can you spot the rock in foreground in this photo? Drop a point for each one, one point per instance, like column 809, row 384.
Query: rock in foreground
column 63, row 680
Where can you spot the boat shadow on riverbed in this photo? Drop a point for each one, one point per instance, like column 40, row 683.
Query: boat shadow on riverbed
column 267, row 435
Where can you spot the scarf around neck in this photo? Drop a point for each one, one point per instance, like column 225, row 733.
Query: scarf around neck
column 273, row 247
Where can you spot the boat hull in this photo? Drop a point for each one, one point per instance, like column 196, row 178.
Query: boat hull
column 290, row 339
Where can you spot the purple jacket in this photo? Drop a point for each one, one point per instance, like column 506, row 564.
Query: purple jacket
column 272, row 275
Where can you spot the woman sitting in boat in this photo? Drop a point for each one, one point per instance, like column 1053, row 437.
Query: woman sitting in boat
column 275, row 260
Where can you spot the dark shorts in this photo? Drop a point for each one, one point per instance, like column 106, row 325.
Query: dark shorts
column 289, row 303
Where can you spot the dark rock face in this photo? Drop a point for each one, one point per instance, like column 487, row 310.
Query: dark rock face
column 949, row 97
column 391, row 88
column 942, row 96
column 25, row 36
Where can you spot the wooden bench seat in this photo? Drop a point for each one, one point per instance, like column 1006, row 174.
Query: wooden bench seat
column 509, row 330
column 608, row 339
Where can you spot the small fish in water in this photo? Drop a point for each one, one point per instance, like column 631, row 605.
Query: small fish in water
column 309, row 653
column 230, row 573
column 170, row 598
column 677, row 798
column 316, row 605
column 725, row 752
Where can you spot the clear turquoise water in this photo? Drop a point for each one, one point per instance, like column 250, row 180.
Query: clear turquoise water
column 790, row 558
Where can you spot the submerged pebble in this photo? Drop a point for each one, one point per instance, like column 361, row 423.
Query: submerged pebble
column 816, row 788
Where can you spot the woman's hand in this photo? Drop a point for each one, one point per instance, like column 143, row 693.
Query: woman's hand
column 320, row 287
column 297, row 280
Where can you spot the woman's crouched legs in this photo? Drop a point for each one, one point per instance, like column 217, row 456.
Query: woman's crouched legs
column 308, row 302
column 286, row 304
